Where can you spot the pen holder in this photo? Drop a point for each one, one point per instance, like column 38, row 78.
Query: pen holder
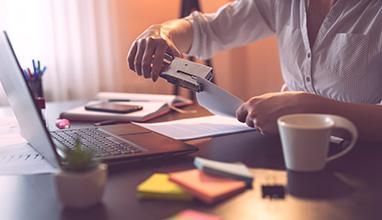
column 37, row 91
column 36, row 87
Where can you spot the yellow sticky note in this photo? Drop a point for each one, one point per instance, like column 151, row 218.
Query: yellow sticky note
column 158, row 186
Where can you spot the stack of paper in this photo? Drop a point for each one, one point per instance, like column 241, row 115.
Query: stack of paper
column 158, row 186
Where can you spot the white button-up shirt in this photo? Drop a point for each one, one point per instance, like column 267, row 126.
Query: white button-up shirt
column 344, row 64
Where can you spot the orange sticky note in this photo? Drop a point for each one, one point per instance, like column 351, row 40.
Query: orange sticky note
column 194, row 215
column 207, row 188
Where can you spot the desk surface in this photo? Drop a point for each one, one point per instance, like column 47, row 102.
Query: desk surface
column 349, row 188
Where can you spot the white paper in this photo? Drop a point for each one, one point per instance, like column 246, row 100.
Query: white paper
column 217, row 100
column 22, row 159
column 136, row 97
column 16, row 156
column 192, row 128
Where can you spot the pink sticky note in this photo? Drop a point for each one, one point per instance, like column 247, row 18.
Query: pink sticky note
column 194, row 215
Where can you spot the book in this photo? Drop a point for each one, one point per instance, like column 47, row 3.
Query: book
column 229, row 170
column 153, row 106
column 136, row 97
column 158, row 186
column 207, row 188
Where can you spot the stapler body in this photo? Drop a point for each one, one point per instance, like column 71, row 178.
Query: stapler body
column 185, row 73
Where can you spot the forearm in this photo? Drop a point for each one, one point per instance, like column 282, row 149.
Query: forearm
column 180, row 32
column 366, row 117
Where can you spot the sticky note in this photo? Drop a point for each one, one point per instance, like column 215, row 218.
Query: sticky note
column 207, row 188
column 158, row 186
column 194, row 215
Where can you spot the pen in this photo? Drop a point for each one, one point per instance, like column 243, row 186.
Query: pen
column 38, row 66
column 127, row 100
column 107, row 122
column 30, row 73
column 34, row 66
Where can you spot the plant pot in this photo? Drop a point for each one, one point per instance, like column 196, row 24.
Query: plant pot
column 81, row 189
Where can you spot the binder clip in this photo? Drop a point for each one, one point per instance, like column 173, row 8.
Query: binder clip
column 272, row 190
column 184, row 73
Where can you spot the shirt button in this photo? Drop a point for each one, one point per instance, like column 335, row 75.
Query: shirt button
column 309, row 55
column 307, row 79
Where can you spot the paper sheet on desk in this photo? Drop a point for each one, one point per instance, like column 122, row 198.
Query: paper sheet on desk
column 217, row 101
column 16, row 156
column 192, row 128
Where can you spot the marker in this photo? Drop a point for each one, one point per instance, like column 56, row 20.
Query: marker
column 30, row 73
column 38, row 66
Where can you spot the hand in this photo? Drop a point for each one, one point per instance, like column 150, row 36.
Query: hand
column 147, row 52
column 263, row 111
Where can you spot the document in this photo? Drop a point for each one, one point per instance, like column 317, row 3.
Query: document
column 192, row 128
column 22, row 159
column 217, row 101
column 16, row 156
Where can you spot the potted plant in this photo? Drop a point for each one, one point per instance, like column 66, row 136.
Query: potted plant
column 82, row 178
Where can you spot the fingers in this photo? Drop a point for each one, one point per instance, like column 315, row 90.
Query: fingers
column 158, row 61
column 241, row 113
column 131, row 55
column 175, row 52
column 139, row 56
column 148, row 57
column 249, row 121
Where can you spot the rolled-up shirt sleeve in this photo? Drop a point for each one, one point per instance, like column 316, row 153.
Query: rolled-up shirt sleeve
column 234, row 24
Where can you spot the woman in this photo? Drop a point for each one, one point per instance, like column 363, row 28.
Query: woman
column 331, row 55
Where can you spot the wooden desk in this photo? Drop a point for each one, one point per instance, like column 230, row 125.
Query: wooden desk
column 349, row 188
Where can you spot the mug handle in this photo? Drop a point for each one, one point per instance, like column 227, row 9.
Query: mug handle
column 340, row 122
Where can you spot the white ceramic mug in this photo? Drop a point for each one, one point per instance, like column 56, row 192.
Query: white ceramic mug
column 305, row 139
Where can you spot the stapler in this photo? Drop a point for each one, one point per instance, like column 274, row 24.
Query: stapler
column 184, row 73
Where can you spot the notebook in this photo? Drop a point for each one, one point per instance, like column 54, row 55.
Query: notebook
column 158, row 186
column 153, row 106
column 205, row 187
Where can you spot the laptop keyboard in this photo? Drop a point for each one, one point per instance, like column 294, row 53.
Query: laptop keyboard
column 101, row 143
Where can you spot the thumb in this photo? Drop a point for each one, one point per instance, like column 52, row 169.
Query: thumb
column 175, row 52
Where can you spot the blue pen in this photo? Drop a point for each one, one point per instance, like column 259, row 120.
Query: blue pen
column 38, row 66
column 34, row 67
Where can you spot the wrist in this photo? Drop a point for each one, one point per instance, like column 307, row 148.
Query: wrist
column 310, row 103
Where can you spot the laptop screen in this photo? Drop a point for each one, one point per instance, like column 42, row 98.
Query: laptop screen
column 20, row 98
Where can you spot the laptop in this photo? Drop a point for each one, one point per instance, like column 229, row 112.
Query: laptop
column 112, row 144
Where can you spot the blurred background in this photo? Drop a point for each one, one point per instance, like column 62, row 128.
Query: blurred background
column 84, row 44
